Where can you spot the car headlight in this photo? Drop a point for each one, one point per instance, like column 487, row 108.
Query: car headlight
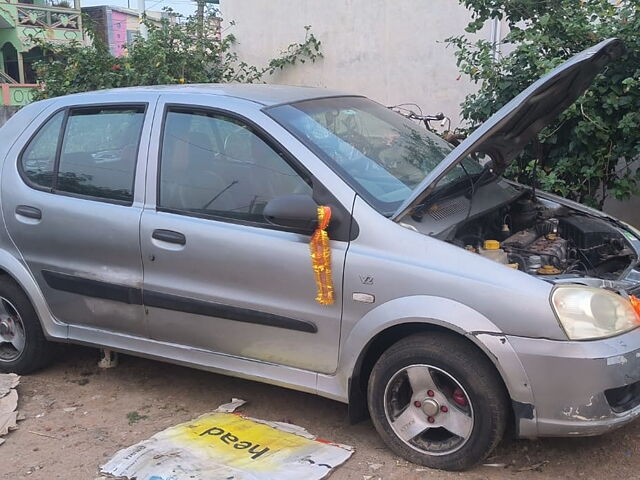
column 587, row 313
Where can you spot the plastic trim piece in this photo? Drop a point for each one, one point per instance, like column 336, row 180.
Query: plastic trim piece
column 136, row 296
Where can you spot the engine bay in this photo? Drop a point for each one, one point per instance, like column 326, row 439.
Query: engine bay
column 546, row 239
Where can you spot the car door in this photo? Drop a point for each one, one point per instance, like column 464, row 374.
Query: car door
column 217, row 275
column 72, row 193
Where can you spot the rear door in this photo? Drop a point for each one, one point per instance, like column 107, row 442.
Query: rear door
column 217, row 275
column 72, row 192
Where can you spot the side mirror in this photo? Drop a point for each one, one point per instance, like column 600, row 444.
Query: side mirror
column 294, row 211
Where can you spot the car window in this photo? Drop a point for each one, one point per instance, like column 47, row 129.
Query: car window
column 99, row 152
column 381, row 154
column 215, row 165
column 39, row 157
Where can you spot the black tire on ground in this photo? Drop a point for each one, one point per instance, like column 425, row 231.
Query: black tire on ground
column 471, row 369
column 37, row 351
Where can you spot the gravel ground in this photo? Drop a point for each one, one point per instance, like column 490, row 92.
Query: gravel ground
column 82, row 415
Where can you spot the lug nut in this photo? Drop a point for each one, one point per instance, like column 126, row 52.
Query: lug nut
column 431, row 419
column 417, row 404
column 444, row 409
column 430, row 393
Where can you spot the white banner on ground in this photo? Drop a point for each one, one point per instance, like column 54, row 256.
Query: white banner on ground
column 222, row 445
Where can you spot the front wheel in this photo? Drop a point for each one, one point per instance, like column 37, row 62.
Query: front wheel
column 437, row 401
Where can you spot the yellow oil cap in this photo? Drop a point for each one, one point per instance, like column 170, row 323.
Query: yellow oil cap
column 491, row 245
column 515, row 266
column 548, row 270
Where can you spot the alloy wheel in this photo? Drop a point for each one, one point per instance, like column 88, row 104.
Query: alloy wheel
column 12, row 332
column 428, row 409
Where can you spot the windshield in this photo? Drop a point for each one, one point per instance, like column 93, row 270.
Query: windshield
column 381, row 154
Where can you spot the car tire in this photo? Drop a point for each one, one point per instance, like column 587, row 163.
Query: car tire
column 448, row 386
column 23, row 346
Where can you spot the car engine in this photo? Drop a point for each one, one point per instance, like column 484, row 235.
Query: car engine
column 532, row 237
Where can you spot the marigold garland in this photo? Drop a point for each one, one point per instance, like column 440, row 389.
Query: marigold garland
column 635, row 303
column 321, row 257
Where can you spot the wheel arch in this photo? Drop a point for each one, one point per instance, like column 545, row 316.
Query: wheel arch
column 11, row 267
column 474, row 329
column 381, row 342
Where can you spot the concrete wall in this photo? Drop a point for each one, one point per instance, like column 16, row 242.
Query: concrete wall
column 628, row 210
column 391, row 51
column 6, row 113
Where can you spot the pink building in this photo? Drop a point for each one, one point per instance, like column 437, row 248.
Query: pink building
column 119, row 29
column 118, row 26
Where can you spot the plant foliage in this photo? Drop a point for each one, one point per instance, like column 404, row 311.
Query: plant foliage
column 588, row 153
column 172, row 53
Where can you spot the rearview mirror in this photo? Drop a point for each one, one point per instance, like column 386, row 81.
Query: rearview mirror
column 294, row 211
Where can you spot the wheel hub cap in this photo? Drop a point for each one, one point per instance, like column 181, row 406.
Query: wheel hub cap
column 430, row 407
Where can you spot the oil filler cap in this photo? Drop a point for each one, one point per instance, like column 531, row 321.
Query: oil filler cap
column 548, row 270
column 491, row 245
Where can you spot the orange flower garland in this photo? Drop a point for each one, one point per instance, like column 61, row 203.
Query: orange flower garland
column 635, row 303
column 321, row 258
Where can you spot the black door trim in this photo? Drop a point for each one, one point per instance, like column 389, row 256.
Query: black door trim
column 228, row 312
column 92, row 288
column 136, row 296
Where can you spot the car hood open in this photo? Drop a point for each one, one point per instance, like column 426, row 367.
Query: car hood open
column 507, row 132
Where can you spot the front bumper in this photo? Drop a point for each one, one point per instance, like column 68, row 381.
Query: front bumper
column 581, row 388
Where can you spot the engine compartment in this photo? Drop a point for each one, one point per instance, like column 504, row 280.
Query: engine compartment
column 546, row 239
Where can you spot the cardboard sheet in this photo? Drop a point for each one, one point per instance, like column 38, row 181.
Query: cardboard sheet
column 223, row 446
column 8, row 403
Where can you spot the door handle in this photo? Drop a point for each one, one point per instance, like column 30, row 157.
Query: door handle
column 169, row 236
column 29, row 212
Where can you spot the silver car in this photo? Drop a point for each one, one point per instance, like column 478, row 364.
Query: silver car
column 175, row 223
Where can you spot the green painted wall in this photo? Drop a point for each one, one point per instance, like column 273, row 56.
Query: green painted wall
column 69, row 26
column 55, row 24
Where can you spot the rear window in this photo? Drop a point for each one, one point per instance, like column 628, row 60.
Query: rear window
column 97, row 156
column 38, row 159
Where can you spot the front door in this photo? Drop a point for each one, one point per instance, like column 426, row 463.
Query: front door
column 69, row 203
column 217, row 275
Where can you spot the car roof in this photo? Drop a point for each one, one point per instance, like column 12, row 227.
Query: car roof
column 262, row 94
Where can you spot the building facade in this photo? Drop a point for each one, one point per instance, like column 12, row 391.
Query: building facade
column 118, row 26
column 20, row 21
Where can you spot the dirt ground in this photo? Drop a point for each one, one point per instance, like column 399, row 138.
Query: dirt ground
column 87, row 414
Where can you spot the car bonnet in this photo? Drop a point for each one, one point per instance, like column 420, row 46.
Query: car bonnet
column 505, row 134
